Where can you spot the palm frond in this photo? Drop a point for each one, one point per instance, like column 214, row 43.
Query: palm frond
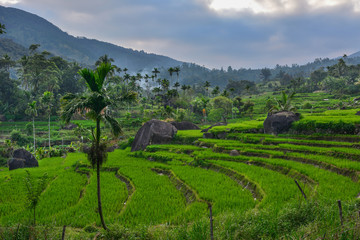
column 128, row 97
column 90, row 79
column 70, row 104
column 114, row 124
column 101, row 72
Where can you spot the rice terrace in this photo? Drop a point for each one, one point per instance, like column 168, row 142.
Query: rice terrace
column 90, row 149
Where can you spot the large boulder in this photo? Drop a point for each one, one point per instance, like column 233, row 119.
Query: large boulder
column 185, row 125
column 153, row 132
column 279, row 122
column 22, row 159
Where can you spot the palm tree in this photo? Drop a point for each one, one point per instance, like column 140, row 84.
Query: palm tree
column 47, row 99
column 32, row 111
column 177, row 70
column 171, row 70
column 176, row 85
column 155, row 72
column 104, row 59
column 207, row 85
column 215, row 91
column 107, row 59
column 284, row 104
column 95, row 102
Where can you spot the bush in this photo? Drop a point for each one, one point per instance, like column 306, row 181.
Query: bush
column 331, row 127
column 216, row 115
column 29, row 129
column 307, row 106
column 120, row 232
column 19, row 138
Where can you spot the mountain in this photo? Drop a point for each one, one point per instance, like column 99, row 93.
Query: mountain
column 25, row 29
column 14, row 50
column 357, row 54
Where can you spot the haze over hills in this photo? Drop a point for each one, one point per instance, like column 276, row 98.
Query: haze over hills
column 25, row 29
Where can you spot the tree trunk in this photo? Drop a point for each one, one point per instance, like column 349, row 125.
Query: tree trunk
column 34, row 217
column 34, row 134
column 98, row 174
column 49, row 133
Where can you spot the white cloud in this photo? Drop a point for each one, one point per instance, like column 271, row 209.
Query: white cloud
column 278, row 6
column 9, row 2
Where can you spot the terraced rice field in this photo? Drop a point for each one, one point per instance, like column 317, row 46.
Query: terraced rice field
column 173, row 185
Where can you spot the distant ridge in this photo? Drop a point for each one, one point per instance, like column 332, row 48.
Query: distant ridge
column 25, row 29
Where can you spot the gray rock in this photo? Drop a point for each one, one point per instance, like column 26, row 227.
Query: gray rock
column 185, row 125
column 358, row 113
column 208, row 135
column 215, row 125
column 153, row 132
column 221, row 135
column 70, row 126
column 279, row 122
column 112, row 148
column 234, row 152
column 22, row 159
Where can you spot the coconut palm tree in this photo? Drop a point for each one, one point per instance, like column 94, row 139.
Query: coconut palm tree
column 96, row 103
column 177, row 70
column 46, row 100
column 104, row 59
column 284, row 104
column 31, row 110
column 155, row 72
column 176, row 85
column 207, row 85
column 171, row 71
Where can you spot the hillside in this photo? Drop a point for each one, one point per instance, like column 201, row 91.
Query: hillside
column 25, row 29
column 9, row 47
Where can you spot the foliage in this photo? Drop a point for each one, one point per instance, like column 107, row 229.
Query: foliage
column 19, row 138
column 34, row 190
column 222, row 107
column 284, row 104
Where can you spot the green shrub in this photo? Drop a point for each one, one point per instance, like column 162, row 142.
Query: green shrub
column 216, row 115
column 19, row 138
column 121, row 232
column 307, row 106
column 29, row 129
column 331, row 127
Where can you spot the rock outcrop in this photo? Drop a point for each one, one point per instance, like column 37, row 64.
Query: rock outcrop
column 70, row 126
column 185, row 125
column 279, row 122
column 153, row 132
column 22, row 159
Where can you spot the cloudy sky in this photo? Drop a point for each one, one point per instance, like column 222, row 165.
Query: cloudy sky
column 213, row 33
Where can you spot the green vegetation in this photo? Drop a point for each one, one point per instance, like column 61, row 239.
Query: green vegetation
column 249, row 180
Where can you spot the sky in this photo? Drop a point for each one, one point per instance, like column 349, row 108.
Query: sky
column 213, row 33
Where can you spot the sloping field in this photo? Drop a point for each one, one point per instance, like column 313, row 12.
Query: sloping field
column 173, row 185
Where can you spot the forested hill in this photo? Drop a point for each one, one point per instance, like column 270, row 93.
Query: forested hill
column 25, row 29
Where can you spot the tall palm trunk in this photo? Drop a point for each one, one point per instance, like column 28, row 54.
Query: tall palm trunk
column 98, row 173
column 49, row 132
column 34, row 134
